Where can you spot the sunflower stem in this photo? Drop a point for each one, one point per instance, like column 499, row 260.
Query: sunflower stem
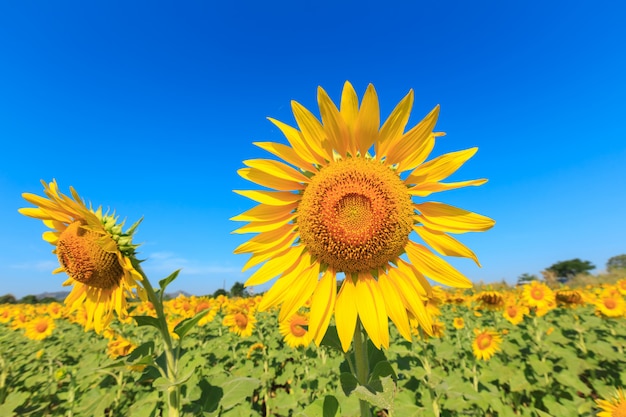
column 362, row 365
column 173, row 392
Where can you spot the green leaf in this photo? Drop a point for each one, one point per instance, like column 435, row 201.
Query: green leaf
column 166, row 281
column 236, row 390
column 383, row 398
column 348, row 382
column 331, row 339
column 186, row 325
column 382, row 369
column 148, row 321
column 331, row 406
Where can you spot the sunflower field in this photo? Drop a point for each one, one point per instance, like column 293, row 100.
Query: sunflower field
column 528, row 351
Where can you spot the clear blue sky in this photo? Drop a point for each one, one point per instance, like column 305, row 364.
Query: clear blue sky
column 149, row 108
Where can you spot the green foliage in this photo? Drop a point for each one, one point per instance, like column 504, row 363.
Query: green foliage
column 29, row 299
column 526, row 278
column 219, row 292
column 8, row 299
column 616, row 263
column 565, row 270
column 238, row 290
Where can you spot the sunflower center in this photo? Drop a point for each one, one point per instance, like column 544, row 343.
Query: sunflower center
column 484, row 341
column 84, row 260
column 512, row 311
column 296, row 326
column 241, row 320
column 355, row 215
column 610, row 303
column 537, row 293
column 620, row 410
column 41, row 326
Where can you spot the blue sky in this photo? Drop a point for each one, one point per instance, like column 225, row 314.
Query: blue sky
column 149, row 108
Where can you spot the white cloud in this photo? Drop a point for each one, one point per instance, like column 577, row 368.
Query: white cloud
column 168, row 262
column 39, row 266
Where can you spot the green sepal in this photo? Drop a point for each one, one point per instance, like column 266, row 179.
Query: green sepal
column 186, row 325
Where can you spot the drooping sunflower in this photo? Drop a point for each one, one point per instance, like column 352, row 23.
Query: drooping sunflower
column 342, row 202
column 294, row 330
column 92, row 250
column 486, row 343
column 613, row 407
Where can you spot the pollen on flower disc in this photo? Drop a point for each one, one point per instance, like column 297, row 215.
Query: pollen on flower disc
column 84, row 260
column 355, row 215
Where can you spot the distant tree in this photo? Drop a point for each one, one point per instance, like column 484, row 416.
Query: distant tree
column 616, row 263
column 219, row 292
column 8, row 299
column 566, row 270
column 526, row 278
column 47, row 300
column 29, row 299
column 237, row 290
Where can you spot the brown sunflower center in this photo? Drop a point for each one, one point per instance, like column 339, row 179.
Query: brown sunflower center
column 511, row 311
column 41, row 326
column 537, row 293
column 610, row 303
column 296, row 326
column 483, row 341
column 84, row 260
column 241, row 320
column 355, row 215
column 620, row 409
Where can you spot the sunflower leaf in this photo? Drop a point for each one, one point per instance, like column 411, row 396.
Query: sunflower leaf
column 166, row 281
column 348, row 382
column 186, row 325
column 331, row 339
column 147, row 321
column 331, row 406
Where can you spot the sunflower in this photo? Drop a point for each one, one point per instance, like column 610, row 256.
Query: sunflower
column 240, row 321
column 539, row 295
column 569, row 298
column 39, row 328
column 610, row 304
column 614, row 407
column 514, row 312
column 119, row 346
column 294, row 330
column 458, row 323
column 341, row 204
column 92, row 250
column 486, row 343
column 492, row 300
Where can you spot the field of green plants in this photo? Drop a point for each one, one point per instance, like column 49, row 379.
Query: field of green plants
column 556, row 363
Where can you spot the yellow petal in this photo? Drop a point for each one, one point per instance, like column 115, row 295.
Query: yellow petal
column 394, row 305
column 34, row 212
column 393, row 127
column 51, row 237
column 419, row 155
column 422, row 285
column 270, row 251
column 284, row 152
column 265, row 213
column 300, row 291
column 445, row 244
column 368, row 121
column 414, row 141
column 276, row 169
column 409, row 291
column 266, row 240
column 346, row 313
column 334, row 125
column 312, row 130
column 434, row 267
column 269, row 181
column 260, row 227
column 441, row 167
column 349, row 111
column 446, row 218
column 297, row 142
column 281, row 290
column 322, row 306
column 275, row 266
column 426, row 188
column 271, row 198
column 371, row 309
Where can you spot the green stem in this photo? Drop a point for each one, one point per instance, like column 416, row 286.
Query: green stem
column 362, row 365
column 173, row 392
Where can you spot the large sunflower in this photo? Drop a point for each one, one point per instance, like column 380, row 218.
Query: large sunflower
column 92, row 250
column 336, row 207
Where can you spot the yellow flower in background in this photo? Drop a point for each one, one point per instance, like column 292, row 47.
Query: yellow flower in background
column 119, row 346
column 621, row 286
column 254, row 348
column 514, row 312
column 486, row 343
column 39, row 328
column 569, row 298
column 613, row 407
column 492, row 300
column 240, row 322
column 611, row 304
column 458, row 323
column 294, row 330
column 335, row 207
column 539, row 295
column 92, row 250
